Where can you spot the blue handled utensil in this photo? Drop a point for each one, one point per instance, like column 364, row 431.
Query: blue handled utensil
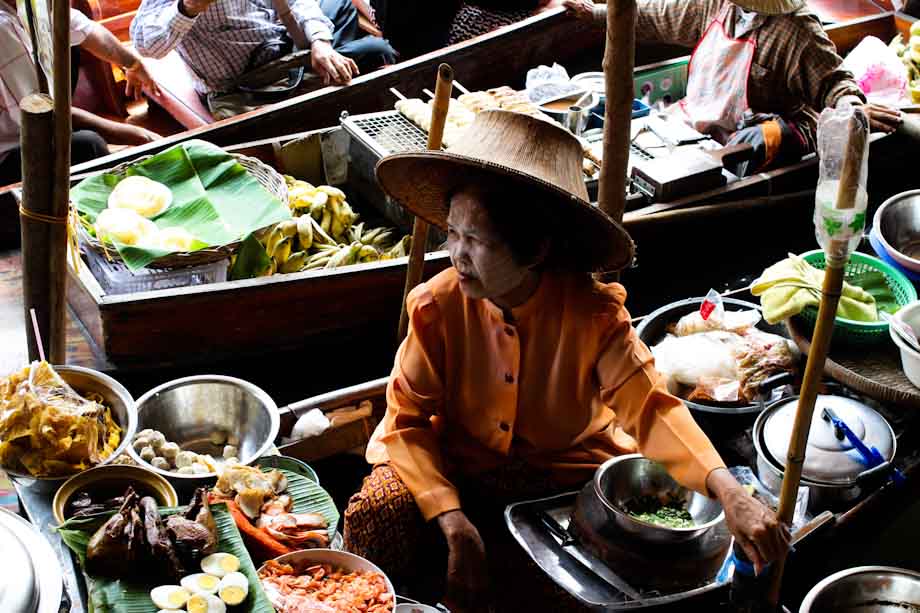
column 871, row 456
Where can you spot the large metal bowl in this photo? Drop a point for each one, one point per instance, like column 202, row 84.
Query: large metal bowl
column 85, row 381
column 623, row 479
column 897, row 224
column 188, row 410
column 865, row 589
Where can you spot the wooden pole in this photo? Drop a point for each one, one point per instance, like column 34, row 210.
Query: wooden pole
column 836, row 256
column 36, row 139
column 619, row 60
column 57, row 260
column 439, row 107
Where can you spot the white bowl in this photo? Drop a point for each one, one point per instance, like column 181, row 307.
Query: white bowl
column 910, row 357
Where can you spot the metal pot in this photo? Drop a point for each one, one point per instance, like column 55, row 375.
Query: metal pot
column 865, row 589
column 833, row 471
column 654, row 326
column 30, row 575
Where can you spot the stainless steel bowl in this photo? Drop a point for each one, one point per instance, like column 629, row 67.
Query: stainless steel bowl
column 84, row 381
column 621, row 480
column 188, row 410
column 897, row 223
column 865, row 589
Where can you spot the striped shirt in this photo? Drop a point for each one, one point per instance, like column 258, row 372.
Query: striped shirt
column 218, row 44
column 796, row 71
column 17, row 77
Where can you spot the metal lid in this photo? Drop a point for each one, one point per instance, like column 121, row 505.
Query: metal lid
column 592, row 81
column 827, row 459
column 19, row 591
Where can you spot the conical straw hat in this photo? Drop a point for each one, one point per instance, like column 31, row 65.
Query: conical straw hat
column 770, row 7
column 544, row 159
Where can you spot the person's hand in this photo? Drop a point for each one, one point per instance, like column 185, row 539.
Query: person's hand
column 467, row 581
column 882, row 118
column 755, row 527
column 127, row 134
column 193, row 8
column 137, row 79
column 332, row 66
column 580, row 9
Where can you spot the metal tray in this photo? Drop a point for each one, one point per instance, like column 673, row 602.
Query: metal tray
column 574, row 576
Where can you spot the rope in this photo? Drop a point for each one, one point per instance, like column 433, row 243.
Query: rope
column 70, row 220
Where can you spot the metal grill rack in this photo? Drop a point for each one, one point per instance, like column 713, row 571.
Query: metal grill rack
column 386, row 133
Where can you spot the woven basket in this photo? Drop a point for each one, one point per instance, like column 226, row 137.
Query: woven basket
column 852, row 332
column 264, row 174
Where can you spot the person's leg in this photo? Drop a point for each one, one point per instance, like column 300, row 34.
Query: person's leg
column 86, row 145
column 351, row 41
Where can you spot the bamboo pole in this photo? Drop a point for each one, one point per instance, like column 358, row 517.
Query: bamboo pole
column 57, row 248
column 619, row 60
column 439, row 108
column 36, row 139
column 836, row 256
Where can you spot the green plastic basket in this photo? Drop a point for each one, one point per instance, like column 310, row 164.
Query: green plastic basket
column 848, row 331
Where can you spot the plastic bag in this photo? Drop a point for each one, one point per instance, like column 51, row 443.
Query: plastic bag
column 749, row 481
column 545, row 84
column 843, row 132
column 879, row 71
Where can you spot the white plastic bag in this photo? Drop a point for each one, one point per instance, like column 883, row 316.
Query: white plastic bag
column 879, row 71
column 545, row 84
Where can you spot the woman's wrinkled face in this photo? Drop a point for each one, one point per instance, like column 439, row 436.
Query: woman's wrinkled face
column 482, row 259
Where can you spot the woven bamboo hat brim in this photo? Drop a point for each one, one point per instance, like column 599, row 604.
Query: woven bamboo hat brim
column 541, row 157
column 771, row 7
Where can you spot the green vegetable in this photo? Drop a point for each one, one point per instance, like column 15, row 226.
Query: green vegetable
column 671, row 513
column 875, row 283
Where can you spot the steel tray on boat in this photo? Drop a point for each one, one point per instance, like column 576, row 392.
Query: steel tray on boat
column 574, row 576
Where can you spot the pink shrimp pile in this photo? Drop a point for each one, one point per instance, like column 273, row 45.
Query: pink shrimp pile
column 323, row 589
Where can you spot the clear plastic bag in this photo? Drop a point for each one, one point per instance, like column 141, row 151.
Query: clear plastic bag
column 748, row 480
column 842, row 132
column 879, row 72
column 547, row 83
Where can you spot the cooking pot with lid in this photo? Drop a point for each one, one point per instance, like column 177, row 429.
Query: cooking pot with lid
column 834, row 470
column 31, row 580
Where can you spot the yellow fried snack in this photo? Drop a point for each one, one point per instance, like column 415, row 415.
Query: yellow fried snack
column 48, row 429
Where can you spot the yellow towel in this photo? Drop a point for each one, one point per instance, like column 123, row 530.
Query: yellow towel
column 789, row 286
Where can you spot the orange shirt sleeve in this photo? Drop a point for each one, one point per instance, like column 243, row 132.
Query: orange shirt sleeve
column 660, row 423
column 414, row 395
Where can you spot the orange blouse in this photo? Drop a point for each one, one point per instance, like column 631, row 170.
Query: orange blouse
column 564, row 385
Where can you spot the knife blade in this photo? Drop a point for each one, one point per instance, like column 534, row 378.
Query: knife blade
column 570, row 545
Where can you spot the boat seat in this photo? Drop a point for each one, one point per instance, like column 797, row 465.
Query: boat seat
column 178, row 95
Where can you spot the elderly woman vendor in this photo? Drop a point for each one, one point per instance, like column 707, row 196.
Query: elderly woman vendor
column 517, row 363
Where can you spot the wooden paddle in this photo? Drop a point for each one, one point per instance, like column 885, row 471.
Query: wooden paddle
column 439, row 107
column 837, row 254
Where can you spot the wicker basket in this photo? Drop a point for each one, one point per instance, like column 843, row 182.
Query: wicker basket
column 267, row 177
column 851, row 332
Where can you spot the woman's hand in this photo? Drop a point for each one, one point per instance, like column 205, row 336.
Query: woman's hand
column 882, row 118
column 755, row 527
column 127, row 134
column 137, row 79
column 467, row 580
column 580, row 9
column 332, row 66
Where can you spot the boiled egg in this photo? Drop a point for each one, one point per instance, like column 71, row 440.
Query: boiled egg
column 234, row 588
column 205, row 603
column 201, row 583
column 219, row 564
column 169, row 597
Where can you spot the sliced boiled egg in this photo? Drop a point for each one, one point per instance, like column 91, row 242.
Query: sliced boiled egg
column 205, row 603
column 201, row 583
column 233, row 588
column 219, row 564
column 169, row 597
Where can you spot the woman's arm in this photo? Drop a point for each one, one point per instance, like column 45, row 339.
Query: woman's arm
column 103, row 44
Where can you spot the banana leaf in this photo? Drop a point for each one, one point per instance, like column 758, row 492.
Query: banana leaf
column 251, row 260
column 123, row 596
column 214, row 198
column 309, row 497
column 876, row 284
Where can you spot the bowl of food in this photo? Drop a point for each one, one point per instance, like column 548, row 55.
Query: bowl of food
column 95, row 419
column 189, row 427
column 865, row 588
column 897, row 224
column 640, row 497
column 337, row 578
column 102, row 489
